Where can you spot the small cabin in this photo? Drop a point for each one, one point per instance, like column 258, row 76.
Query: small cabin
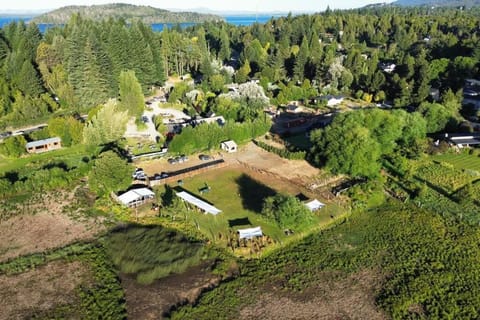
column 229, row 146
column 44, row 145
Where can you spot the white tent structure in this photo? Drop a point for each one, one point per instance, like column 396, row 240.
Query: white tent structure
column 136, row 197
column 202, row 205
column 250, row 233
column 314, row 205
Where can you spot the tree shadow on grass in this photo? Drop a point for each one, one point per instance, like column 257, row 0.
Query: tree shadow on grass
column 239, row 222
column 253, row 193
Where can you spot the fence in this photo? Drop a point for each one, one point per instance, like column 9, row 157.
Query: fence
column 189, row 172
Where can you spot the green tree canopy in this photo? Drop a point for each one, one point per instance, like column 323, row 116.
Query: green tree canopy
column 130, row 92
column 287, row 212
column 109, row 173
column 108, row 125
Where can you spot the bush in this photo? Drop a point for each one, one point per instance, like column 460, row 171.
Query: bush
column 209, row 136
column 284, row 153
column 13, row 147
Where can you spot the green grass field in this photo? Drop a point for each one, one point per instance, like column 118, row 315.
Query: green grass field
column 460, row 161
column 240, row 198
column 71, row 156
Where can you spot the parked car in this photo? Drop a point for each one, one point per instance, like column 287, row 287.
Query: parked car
column 145, row 119
column 183, row 158
column 5, row 134
column 159, row 176
column 179, row 159
column 139, row 174
column 204, row 157
column 172, row 161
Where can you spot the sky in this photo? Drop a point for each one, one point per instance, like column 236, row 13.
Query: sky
column 217, row 5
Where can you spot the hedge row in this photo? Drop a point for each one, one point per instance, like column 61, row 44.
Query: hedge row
column 284, row 153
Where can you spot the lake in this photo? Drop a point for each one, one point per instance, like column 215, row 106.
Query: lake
column 240, row 20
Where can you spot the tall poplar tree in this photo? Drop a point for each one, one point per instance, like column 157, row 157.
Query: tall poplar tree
column 130, row 92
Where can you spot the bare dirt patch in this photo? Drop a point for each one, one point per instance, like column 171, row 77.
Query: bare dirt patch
column 155, row 301
column 39, row 290
column 23, row 235
column 250, row 155
column 333, row 297
column 44, row 225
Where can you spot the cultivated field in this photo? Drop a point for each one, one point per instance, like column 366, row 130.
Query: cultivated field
column 461, row 161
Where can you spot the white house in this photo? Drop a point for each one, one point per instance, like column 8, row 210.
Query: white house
column 136, row 197
column 229, row 146
column 314, row 205
column 387, row 67
column 250, row 233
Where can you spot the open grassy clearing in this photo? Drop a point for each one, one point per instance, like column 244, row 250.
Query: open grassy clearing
column 71, row 156
column 240, row 197
column 460, row 161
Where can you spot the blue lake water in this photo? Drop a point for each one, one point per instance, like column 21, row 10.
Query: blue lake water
column 244, row 20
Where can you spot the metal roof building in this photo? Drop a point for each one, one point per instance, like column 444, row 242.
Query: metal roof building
column 136, row 197
column 202, row 205
column 250, row 233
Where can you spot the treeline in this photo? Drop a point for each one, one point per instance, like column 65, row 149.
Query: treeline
column 209, row 136
column 342, row 51
column 73, row 68
column 77, row 66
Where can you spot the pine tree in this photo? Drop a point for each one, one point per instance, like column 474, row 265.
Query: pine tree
column 28, row 80
column 301, row 60
column 225, row 51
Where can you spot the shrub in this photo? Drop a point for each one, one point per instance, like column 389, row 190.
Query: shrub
column 284, row 153
column 13, row 146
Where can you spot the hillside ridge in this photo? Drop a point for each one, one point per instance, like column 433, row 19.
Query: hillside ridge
column 129, row 12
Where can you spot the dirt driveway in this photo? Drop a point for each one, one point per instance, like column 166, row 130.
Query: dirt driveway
column 252, row 157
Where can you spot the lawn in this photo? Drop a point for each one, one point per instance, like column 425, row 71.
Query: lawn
column 240, row 197
column 70, row 156
column 460, row 161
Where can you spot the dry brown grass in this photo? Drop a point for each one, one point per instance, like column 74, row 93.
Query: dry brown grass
column 39, row 290
column 45, row 226
column 154, row 301
column 334, row 297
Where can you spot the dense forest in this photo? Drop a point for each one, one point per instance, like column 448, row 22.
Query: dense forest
column 76, row 67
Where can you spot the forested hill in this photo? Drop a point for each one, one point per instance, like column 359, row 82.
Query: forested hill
column 128, row 12
column 443, row 3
